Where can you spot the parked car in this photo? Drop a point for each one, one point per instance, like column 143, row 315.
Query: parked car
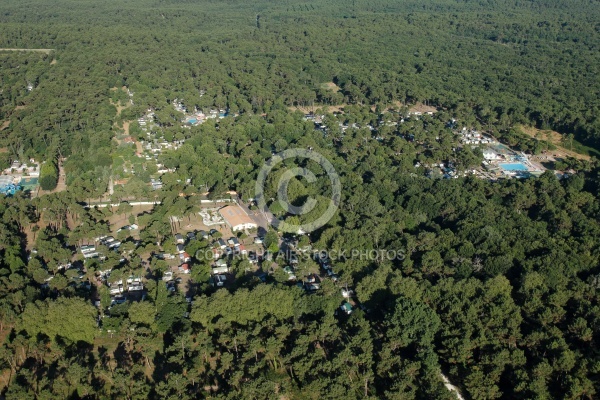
column 262, row 276
column 118, row 300
column 346, row 308
column 332, row 275
column 218, row 280
column 252, row 258
column 290, row 271
column 321, row 258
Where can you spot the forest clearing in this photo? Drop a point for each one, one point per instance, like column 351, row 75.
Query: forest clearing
column 556, row 139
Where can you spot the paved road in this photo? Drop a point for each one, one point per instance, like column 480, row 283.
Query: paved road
column 262, row 218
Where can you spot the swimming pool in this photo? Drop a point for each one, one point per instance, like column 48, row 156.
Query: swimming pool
column 513, row 167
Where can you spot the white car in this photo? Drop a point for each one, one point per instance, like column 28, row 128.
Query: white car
column 290, row 272
column 219, row 280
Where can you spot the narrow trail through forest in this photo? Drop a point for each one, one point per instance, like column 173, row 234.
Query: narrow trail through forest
column 451, row 387
column 47, row 51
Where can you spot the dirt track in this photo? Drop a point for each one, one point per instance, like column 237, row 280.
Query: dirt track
column 47, row 51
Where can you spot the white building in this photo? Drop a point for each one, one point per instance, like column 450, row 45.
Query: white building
column 490, row 155
column 237, row 218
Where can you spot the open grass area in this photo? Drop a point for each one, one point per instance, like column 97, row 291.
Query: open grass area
column 578, row 150
column 583, row 149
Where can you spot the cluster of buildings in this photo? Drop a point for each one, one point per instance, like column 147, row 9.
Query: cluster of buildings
column 130, row 94
column 121, row 290
column 444, row 170
column 184, row 258
column 90, row 251
column 501, row 161
column 320, row 126
column 152, row 148
column 19, row 176
column 227, row 248
column 8, row 186
column 198, row 116
column 120, row 287
column 110, row 242
column 473, row 137
column 222, row 250
column 32, row 168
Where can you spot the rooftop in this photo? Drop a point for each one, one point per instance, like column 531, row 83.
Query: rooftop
column 5, row 180
column 235, row 215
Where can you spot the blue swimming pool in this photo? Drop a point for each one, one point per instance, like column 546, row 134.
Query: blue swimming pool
column 513, row 167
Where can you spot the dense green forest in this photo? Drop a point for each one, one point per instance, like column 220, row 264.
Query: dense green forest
column 498, row 284
column 506, row 62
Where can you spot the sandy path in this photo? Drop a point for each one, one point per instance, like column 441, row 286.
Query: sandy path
column 138, row 147
column 47, row 51
column 451, row 387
